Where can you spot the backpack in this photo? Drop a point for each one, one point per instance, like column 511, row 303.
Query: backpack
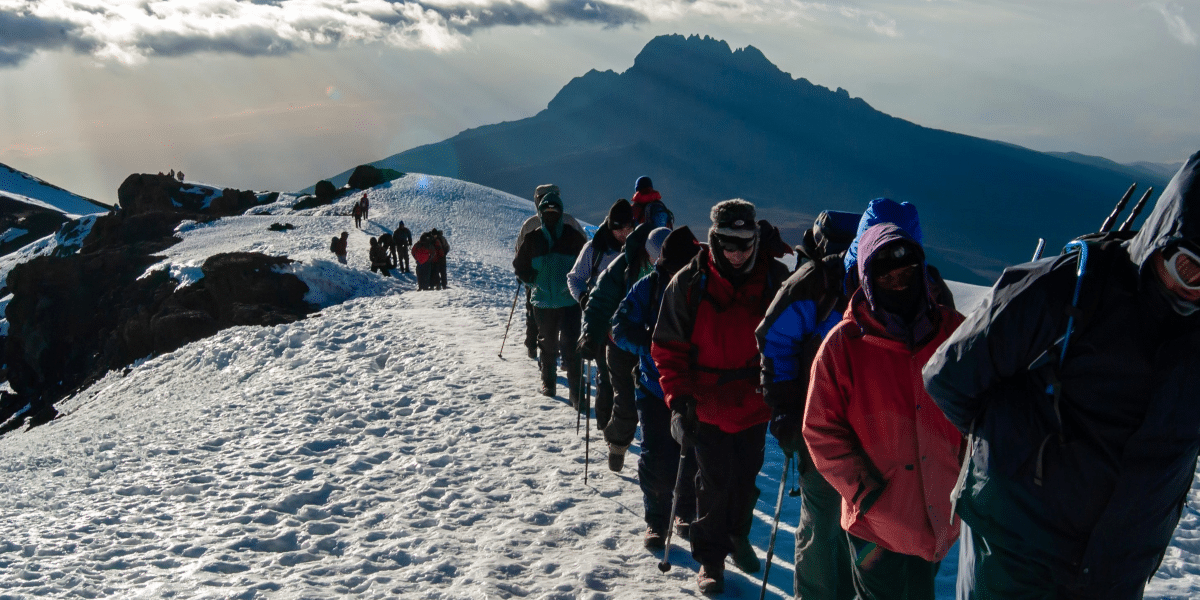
column 333, row 245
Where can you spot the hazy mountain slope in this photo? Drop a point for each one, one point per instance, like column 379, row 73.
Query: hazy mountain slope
column 709, row 123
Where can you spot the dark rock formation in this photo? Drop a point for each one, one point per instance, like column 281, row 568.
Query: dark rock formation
column 325, row 190
column 36, row 222
column 143, row 193
column 74, row 318
column 365, row 177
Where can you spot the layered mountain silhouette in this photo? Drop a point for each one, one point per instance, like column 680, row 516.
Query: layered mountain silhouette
column 709, row 123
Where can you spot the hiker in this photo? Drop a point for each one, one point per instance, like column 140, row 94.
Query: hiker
column 658, row 461
column 543, row 260
column 706, row 352
column 180, row 175
column 809, row 304
column 385, row 243
column 1083, row 415
column 603, row 248
column 439, row 266
column 648, row 206
column 893, row 463
column 379, row 259
column 366, row 207
column 423, row 254
column 338, row 247
column 636, row 260
column 357, row 211
column 401, row 240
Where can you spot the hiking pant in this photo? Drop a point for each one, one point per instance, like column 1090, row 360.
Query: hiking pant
column 1004, row 573
column 728, row 464
column 659, row 462
column 553, row 324
column 439, row 270
column 603, row 400
column 622, row 425
column 823, row 569
column 424, row 274
column 402, row 258
column 881, row 574
column 531, row 328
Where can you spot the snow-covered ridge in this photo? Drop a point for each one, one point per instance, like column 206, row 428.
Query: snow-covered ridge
column 377, row 449
column 26, row 188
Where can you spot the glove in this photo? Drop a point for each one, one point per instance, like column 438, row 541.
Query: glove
column 588, row 347
column 684, row 422
column 788, row 430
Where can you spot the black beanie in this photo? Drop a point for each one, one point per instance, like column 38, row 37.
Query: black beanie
column 620, row 215
column 679, row 248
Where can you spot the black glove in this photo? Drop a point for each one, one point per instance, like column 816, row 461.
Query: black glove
column 588, row 347
column 684, row 422
column 788, row 430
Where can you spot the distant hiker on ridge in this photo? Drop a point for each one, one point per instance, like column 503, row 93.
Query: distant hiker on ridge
column 338, row 247
column 357, row 211
column 439, row 266
column 1083, row 414
column 543, row 260
column 423, row 254
column 401, row 240
column 379, row 258
column 366, row 207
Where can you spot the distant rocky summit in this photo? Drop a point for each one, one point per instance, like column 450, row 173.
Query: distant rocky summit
column 74, row 318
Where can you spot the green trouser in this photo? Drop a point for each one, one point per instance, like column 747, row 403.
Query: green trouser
column 823, row 569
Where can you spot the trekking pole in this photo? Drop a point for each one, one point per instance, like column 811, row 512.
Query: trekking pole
column 510, row 316
column 787, row 462
column 1041, row 246
column 587, row 436
column 1137, row 209
column 1112, row 218
column 665, row 565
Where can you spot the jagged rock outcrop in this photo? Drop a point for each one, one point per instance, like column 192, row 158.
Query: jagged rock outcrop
column 74, row 318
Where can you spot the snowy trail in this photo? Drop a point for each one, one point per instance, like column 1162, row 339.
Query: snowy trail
column 379, row 449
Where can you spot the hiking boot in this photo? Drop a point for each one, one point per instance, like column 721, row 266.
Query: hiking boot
column 547, row 390
column 711, row 579
column 616, row 457
column 532, row 352
column 655, row 539
column 683, row 529
column 744, row 556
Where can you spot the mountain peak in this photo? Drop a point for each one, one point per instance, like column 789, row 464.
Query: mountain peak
column 668, row 55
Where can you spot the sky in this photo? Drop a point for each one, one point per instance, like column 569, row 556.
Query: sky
column 278, row 94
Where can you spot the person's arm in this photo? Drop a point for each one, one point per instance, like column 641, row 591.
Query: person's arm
column 834, row 446
column 604, row 299
column 523, row 262
column 671, row 345
column 1018, row 320
column 630, row 324
column 578, row 277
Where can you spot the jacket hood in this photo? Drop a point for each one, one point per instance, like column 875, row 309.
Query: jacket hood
column 1176, row 215
column 885, row 210
column 875, row 239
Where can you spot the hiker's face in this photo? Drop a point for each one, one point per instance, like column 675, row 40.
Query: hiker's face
column 623, row 233
column 897, row 279
column 737, row 258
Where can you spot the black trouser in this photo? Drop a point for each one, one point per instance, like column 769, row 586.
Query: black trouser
column 622, row 425
column 725, row 491
column 1002, row 573
column 531, row 328
column 604, row 391
column 402, row 258
column 881, row 574
column 424, row 274
column 553, row 324
column 659, row 462
column 439, row 270
column 823, row 569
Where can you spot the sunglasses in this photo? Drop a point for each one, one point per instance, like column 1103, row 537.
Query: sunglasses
column 735, row 244
column 1184, row 266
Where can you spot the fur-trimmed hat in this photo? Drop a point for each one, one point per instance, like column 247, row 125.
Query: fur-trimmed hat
column 734, row 218
column 620, row 215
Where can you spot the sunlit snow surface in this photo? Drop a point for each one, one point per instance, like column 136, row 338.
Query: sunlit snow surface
column 377, row 449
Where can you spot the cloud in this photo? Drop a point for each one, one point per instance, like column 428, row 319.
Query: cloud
column 131, row 31
column 1176, row 24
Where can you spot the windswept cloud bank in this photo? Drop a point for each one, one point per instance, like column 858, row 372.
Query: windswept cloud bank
column 130, row 31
